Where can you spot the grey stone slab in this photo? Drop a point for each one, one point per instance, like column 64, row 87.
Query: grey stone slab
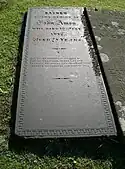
column 61, row 90
column 109, row 30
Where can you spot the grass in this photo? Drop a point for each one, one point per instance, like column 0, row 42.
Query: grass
column 10, row 23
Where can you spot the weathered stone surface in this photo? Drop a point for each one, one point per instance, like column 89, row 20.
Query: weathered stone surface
column 109, row 27
column 61, row 91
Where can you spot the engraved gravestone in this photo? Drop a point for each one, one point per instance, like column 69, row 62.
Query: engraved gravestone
column 61, row 90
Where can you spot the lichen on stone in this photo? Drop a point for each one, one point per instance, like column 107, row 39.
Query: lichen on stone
column 121, row 114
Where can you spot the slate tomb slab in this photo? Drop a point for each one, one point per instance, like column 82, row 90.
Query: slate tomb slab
column 61, row 94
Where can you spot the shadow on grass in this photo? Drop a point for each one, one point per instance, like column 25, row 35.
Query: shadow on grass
column 95, row 148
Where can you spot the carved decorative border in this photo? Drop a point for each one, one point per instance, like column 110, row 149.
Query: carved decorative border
column 77, row 132
column 24, row 66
